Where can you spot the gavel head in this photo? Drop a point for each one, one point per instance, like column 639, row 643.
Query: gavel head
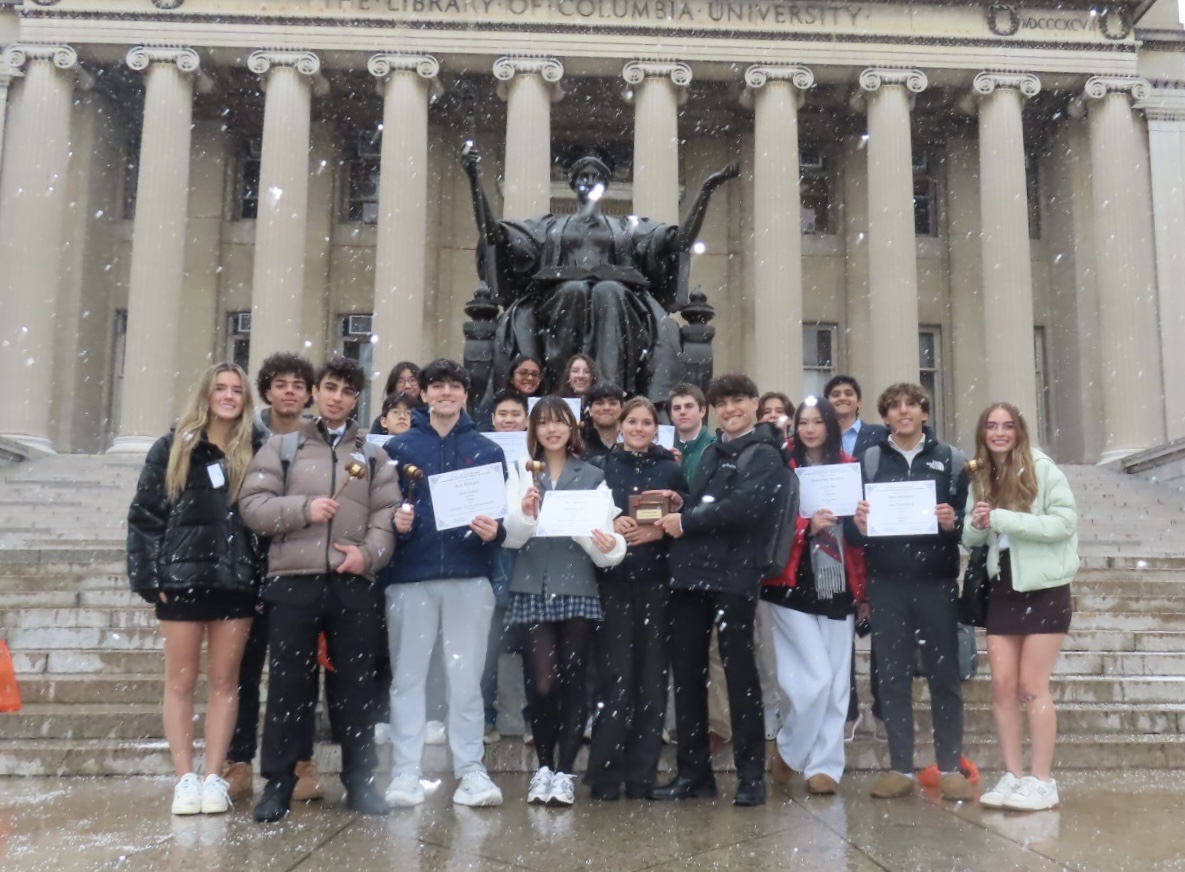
column 356, row 470
column 535, row 467
column 413, row 473
column 973, row 465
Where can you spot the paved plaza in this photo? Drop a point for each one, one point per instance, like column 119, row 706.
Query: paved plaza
column 1108, row 822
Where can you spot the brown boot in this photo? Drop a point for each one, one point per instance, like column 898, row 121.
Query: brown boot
column 892, row 785
column 240, row 783
column 821, row 785
column 780, row 771
column 308, row 782
column 956, row 788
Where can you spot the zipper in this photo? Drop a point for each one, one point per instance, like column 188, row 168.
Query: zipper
column 329, row 525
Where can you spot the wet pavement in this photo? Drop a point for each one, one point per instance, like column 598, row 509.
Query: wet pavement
column 1109, row 822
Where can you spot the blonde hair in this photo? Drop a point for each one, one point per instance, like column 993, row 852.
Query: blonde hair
column 192, row 425
column 1011, row 484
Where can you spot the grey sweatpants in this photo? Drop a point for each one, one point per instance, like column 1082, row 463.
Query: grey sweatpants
column 910, row 615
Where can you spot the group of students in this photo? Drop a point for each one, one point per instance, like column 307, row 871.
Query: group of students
column 294, row 533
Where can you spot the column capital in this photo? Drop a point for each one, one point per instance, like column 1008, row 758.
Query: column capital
column 874, row 78
column 760, row 75
column 143, row 56
column 989, row 80
column 306, row 63
column 61, row 56
column 547, row 68
column 1098, row 87
column 636, row 72
column 383, row 65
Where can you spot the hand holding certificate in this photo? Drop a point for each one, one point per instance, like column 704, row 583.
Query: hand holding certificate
column 573, row 513
column 834, row 486
column 460, row 496
column 901, row 508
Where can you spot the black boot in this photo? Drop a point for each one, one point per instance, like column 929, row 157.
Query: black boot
column 362, row 797
column 750, row 793
column 277, row 797
column 685, row 787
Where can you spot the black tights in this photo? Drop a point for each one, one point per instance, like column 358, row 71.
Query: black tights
column 559, row 652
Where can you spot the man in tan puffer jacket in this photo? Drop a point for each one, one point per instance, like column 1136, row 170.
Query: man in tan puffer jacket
column 326, row 548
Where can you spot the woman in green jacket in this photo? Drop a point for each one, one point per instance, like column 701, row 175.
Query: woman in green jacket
column 1021, row 507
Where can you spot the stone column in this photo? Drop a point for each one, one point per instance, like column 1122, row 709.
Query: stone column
column 1165, row 114
column 775, row 93
column 657, row 93
column 1004, row 225
column 32, row 209
column 158, row 245
column 892, row 253
column 7, row 73
column 277, row 300
column 529, row 86
column 400, row 257
column 1133, row 409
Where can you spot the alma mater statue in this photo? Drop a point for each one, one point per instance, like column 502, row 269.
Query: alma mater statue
column 588, row 282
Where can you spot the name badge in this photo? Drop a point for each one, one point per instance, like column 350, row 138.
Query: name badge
column 217, row 476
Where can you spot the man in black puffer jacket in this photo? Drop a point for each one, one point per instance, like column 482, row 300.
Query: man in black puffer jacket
column 717, row 560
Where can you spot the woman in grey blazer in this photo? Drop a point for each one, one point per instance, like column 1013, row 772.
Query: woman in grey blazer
column 554, row 591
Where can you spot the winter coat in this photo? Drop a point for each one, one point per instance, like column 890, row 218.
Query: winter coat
column 426, row 553
column 933, row 555
column 556, row 565
column 365, row 516
column 853, row 554
column 200, row 541
column 627, row 474
column 1042, row 542
column 729, row 515
column 692, row 452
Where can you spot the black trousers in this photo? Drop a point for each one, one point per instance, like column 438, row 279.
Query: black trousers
column 353, row 634
column 632, row 687
column 909, row 615
column 693, row 613
column 873, row 684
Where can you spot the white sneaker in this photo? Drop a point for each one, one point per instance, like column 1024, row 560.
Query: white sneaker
column 540, row 790
column 1033, row 794
column 404, row 792
column 382, row 733
column 187, row 795
column 563, row 789
column 850, row 727
column 434, row 733
column 773, row 723
column 477, row 790
column 215, row 795
column 998, row 795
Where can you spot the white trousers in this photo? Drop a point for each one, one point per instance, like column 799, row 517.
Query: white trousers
column 814, row 657
column 461, row 611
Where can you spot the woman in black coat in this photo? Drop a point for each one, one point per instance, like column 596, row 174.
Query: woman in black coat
column 191, row 555
column 627, row 735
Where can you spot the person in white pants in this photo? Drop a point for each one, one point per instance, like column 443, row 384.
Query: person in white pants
column 811, row 611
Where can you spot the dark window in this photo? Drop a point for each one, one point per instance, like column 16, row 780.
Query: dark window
column 925, row 197
column 363, row 172
column 247, row 181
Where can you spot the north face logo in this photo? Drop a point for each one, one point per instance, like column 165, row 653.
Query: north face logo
column 936, row 465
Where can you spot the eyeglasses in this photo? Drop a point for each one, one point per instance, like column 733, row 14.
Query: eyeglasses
column 528, row 374
column 410, row 382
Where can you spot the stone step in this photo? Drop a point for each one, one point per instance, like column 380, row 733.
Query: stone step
column 95, row 757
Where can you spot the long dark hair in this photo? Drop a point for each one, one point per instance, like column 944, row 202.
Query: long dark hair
column 832, row 447
column 519, row 361
column 549, row 409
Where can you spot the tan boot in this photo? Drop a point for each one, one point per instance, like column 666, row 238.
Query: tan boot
column 239, row 780
column 780, row 771
column 892, row 785
column 821, row 785
column 956, row 788
column 308, row 782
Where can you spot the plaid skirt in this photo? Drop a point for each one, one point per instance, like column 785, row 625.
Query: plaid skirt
column 538, row 608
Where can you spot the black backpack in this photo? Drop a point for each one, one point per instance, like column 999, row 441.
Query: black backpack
column 776, row 554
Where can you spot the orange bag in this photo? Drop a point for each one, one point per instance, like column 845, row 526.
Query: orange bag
column 10, row 694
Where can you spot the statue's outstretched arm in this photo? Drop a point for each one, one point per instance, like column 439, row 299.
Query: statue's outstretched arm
column 691, row 225
column 487, row 225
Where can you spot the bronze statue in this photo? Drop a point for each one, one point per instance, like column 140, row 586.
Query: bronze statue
column 589, row 282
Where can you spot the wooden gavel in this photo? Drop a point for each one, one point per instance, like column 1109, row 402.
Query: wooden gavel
column 535, row 467
column 414, row 474
column 354, row 469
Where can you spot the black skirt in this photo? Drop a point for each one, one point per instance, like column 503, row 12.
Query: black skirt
column 203, row 604
column 1015, row 613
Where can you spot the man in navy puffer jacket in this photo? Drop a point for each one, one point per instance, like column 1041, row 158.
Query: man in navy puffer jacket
column 440, row 581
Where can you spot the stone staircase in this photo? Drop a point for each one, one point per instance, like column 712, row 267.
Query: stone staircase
column 89, row 665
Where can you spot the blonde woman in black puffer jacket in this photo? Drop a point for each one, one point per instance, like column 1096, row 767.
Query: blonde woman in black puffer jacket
column 190, row 554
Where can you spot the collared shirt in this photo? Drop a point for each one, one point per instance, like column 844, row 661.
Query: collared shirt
column 911, row 453
column 335, row 436
column 849, row 437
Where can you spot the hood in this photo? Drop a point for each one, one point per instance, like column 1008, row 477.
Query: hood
column 422, row 420
column 763, row 432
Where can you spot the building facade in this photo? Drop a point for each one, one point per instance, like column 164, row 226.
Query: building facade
column 984, row 196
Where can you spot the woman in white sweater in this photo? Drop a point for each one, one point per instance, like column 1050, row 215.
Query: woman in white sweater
column 1021, row 507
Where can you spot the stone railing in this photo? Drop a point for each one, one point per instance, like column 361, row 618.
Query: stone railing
column 1164, row 464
